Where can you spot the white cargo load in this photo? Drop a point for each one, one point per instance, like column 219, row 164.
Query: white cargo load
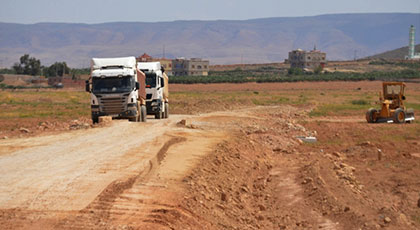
column 124, row 62
column 150, row 66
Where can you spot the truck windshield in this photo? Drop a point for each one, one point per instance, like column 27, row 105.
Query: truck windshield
column 151, row 80
column 113, row 84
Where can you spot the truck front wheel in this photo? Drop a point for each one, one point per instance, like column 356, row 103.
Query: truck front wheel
column 138, row 117
column 95, row 119
column 166, row 114
column 143, row 112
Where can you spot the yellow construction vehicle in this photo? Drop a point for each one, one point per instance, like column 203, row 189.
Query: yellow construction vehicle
column 392, row 105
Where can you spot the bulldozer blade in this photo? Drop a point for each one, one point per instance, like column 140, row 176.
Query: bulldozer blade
column 409, row 118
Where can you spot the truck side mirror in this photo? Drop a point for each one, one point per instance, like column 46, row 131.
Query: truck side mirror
column 162, row 69
column 162, row 82
column 87, row 86
column 137, row 85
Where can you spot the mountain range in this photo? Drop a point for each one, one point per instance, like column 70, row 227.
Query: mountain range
column 341, row 36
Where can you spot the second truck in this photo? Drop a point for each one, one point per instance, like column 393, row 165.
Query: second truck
column 157, row 92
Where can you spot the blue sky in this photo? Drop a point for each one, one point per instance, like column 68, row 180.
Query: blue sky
column 98, row 11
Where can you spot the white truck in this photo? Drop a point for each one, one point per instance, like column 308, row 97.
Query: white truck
column 117, row 88
column 157, row 102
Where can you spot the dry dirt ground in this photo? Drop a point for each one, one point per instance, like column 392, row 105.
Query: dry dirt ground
column 287, row 86
column 238, row 169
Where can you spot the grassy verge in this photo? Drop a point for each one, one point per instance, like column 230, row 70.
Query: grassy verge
column 44, row 104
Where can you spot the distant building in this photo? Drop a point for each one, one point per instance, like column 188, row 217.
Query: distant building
column 307, row 59
column 144, row 58
column 166, row 64
column 191, row 67
column 180, row 66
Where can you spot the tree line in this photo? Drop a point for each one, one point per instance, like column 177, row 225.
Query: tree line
column 32, row 66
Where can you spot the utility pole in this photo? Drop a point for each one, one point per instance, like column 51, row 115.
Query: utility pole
column 163, row 51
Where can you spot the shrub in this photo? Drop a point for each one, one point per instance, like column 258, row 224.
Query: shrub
column 359, row 102
column 318, row 70
column 295, row 71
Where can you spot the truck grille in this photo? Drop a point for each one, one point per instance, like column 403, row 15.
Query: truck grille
column 114, row 105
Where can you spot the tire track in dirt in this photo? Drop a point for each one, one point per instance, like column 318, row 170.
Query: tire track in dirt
column 153, row 201
column 162, row 152
column 149, row 198
column 292, row 193
column 99, row 210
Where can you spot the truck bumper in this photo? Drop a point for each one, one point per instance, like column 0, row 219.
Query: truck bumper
column 153, row 106
column 131, row 112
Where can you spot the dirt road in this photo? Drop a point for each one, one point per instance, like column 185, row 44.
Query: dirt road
column 238, row 169
column 66, row 172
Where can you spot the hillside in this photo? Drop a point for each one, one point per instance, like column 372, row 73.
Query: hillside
column 399, row 53
column 223, row 42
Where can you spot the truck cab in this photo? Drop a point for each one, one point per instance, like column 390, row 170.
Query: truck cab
column 116, row 90
column 156, row 89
